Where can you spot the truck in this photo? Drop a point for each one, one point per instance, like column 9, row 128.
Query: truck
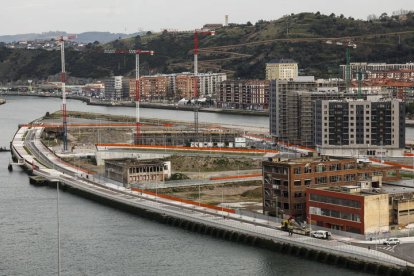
column 292, row 226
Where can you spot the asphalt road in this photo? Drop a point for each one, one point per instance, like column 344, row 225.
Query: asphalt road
column 403, row 251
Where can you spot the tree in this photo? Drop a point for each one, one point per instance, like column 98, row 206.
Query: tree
column 137, row 42
column 249, row 24
column 372, row 17
column 332, row 15
column 383, row 16
column 149, row 33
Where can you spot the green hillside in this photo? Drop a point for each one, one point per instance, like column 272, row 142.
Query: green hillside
column 239, row 50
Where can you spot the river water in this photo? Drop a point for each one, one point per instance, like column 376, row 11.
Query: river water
column 98, row 240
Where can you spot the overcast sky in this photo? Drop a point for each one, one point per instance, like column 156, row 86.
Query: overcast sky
column 75, row 16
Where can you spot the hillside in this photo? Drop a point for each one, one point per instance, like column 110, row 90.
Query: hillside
column 85, row 37
column 240, row 50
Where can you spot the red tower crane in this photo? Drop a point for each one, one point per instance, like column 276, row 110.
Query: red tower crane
column 62, row 40
column 137, row 53
column 196, row 50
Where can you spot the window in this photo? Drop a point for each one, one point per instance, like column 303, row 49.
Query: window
column 297, row 182
column 321, row 180
column 285, row 194
column 308, row 182
column 297, row 170
column 286, row 206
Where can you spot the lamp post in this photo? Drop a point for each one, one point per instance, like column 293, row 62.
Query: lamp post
column 276, row 213
column 379, row 222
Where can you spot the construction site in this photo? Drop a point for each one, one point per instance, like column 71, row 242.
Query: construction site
column 207, row 162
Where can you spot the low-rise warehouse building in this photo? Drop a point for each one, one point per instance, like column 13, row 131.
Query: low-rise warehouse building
column 135, row 171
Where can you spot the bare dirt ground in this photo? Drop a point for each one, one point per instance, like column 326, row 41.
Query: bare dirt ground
column 246, row 196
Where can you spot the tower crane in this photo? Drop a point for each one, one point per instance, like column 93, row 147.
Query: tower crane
column 196, row 33
column 196, row 50
column 348, row 45
column 137, row 53
column 61, row 40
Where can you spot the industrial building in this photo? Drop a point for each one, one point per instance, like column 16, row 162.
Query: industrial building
column 348, row 208
column 244, row 94
column 285, row 181
column 283, row 69
column 135, row 171
column 367, row 208
column 372, row 127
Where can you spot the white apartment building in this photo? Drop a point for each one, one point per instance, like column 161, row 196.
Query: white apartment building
column 284, row 69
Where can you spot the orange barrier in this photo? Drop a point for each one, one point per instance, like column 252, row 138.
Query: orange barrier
column 185, row 201
column 391, row 163
column 188, row 148
column 409, row 154
column 236, row 176
column 66, row 163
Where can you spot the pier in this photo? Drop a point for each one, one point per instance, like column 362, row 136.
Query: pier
column 218, row 222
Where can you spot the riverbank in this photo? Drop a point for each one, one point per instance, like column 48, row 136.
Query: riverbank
column 90, row 101
column 2, row 101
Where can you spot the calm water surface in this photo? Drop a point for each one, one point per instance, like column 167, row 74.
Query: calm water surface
column 98, row 240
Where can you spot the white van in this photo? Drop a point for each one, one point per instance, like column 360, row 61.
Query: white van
column 321, row 234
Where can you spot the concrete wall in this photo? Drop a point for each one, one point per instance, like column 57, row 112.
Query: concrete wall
column 376, row 213
column 116, row 154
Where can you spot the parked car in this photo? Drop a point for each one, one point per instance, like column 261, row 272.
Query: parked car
column 321, row 234
column 391, row 241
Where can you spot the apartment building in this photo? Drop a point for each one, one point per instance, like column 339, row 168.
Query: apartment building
column 177, row 86
column 285, row 181
column 291, row 108
column 153, row 88
column 367, row 69
column 116, row 88
column 244, row 94
column 283, row 69
column 373, row 127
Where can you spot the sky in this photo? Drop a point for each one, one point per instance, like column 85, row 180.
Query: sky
column 129, row 16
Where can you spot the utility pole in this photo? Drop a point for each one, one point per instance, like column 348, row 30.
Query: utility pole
column 137, row 53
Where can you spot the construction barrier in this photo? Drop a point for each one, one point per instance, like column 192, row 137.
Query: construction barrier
column 236, row 176
column 185, row 201
column 241, row 150
column 391, row 163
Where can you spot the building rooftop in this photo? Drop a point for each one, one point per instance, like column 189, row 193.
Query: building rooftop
column 134, row 162
column 319, row 159
column 357, row 190
column 281, row 61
